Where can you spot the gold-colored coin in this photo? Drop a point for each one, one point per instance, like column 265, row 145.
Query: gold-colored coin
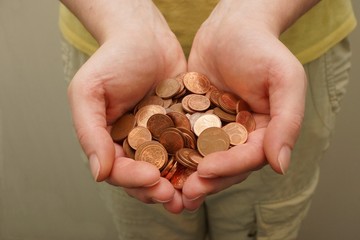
column 152, row 152
column 157, row 123
column 144, row 113
column 196, row 82
column 237, row 133
column 206, row 121
column 247, row 120
column 212, row 140
column 168, row 88
column 122, row 127
column 198, row 103
column 138, row 136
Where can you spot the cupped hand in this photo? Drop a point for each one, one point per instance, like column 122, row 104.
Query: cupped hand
column 126, row 67
column 244, row 56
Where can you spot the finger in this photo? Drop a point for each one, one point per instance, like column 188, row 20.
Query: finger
column 287, row 102
column 176, row 204
column 197, row 188
column 87, row 103
column 161, row 192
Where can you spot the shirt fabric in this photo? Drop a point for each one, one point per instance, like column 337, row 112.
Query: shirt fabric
column 309, row 37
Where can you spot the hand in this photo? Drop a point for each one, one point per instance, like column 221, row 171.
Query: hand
column 242, row 54
column 134, row 55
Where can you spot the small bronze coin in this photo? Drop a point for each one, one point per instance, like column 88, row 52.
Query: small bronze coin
column 177, row 107
column 195, row 157
column 246, row 119
column 182, row 157
column 180, row 120
column 138, row 136
column 150, row 100
column 206, row 121
column 172, row 139
column 237, row 133
column 196, row 82
column 168, row 88
column 152, row 152
column 167, row 167
column 224, row 116
column 212, row 140
column 189, row 137
column 172, row 171
column 122, row 127
column 185, row 104
column 129, row 152
column 214, row 97
column 241, row 105
column 144, row 113
column 181, row 175
column 228, row 101
column 198, row 103
column 157, row 123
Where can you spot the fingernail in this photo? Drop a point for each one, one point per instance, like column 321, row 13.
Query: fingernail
column 284, row 158
column 94, row 166
column 160, row 201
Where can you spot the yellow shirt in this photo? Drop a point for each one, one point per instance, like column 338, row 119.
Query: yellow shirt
column 312, row 35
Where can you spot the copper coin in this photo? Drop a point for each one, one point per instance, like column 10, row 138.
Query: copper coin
column 185, row 104
column 196, row 82
column 149, row 100
column 193, row 117
column 198, row 103
column 167, row 167
column 206, row 121
column 228, row 101
column 152, row 152
column 157, row 123
column 138, row 136
column 241, row 105
column 237, row 133
column 247, row 120
column 177, row 107
column 195, row 156
column 168, row 88
column 122, row 127
column 172, row 139
column 182, row 156
column 189, row 137
column 224, row 116
column 181, row 175
column 180, row 120
column 214, row 97
column 144, row 113
column 167, row 103
column 172, row 171
column 212, row 140
column 129, row 152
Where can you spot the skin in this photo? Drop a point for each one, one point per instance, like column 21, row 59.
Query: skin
column 137, row 49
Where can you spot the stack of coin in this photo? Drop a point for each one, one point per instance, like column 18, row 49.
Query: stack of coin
column 186, row 119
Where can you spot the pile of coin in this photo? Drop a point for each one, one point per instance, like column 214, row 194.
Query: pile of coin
column 186, row 119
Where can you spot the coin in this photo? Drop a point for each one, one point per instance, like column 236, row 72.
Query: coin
column 129, row 152
column 172, row 139
column 237, row 133
column 212, row 140
column 247, row 120
column 181, row 175
column 144, row 113
column 122, row 127
column 172, row 171
column 138, row 136
column 198, row 103
column 180, row 120
column 189, row 137
column 152, row 152
column 228, row 101
column 167, row 167
column 182, row 157
column 149, row 100
column 224, row 116
column 206, row 121
column 241, row 105
column 214, row 97
column 157, row 123
column 196, row 82
column 168, row 88
column 185, row 104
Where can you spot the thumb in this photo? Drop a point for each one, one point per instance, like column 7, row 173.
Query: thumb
column 287, row 103
column 88, row 108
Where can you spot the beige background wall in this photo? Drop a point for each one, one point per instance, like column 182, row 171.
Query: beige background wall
column 45, row 191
